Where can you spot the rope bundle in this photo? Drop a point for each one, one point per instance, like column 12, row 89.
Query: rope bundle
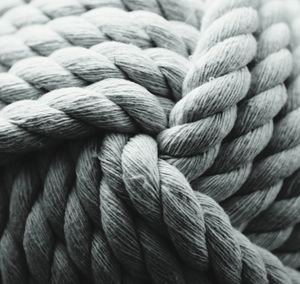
column 149, row 141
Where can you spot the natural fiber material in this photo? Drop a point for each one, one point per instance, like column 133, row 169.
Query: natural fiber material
column 149, row 142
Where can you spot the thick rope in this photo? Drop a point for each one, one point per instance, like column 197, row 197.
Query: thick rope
column 174, row 204
column 7, row 5
column 215, row 84
column 105, row 60
column 53, row 210
column 112, row 104
column 254, row 126
column 275, row 228
column 213, row 130
column 142, row 214
column 288, row 246
column 62, row 223
column 139, row 28
column 42, row 11
column 278, row 161
column 159, row 70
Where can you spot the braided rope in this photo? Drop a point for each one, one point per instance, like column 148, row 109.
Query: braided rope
column 42, row 11
column 15, row 226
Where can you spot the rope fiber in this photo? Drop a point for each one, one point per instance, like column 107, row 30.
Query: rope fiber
column 153, row 142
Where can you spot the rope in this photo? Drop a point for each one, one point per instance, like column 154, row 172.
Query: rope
column 140, row 28
column 254, row 124
column 123, row 144
column 280, row 219
column 76, row 66
column 42, row 11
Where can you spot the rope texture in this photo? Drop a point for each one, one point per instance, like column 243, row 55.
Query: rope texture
column 254, row 123
column 280, row 219
column 276, row 161
column 158, row 139
column 42, row 11
column 143, row 29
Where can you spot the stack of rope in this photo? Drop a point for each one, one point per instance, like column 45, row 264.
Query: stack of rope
column 150, row 141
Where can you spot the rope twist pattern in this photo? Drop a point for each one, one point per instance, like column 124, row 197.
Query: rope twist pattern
column 149, row 142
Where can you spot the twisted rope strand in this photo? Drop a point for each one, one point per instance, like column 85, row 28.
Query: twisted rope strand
column 6, row 5
column 131, row 243
column 280, row 220
column 197, row 226
column 215, row 84
column 254, row 126
column 59, row 207
column 159, row 70
column 6, row 28
column 112, row 104
column 243, row 77
column 42, row 11
column 25, row 188
column 139, row 28
column 83, row 242
column 289, row 251
column 274, row 227
column 46, row 256
column 134, row 217
column 278, row 161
